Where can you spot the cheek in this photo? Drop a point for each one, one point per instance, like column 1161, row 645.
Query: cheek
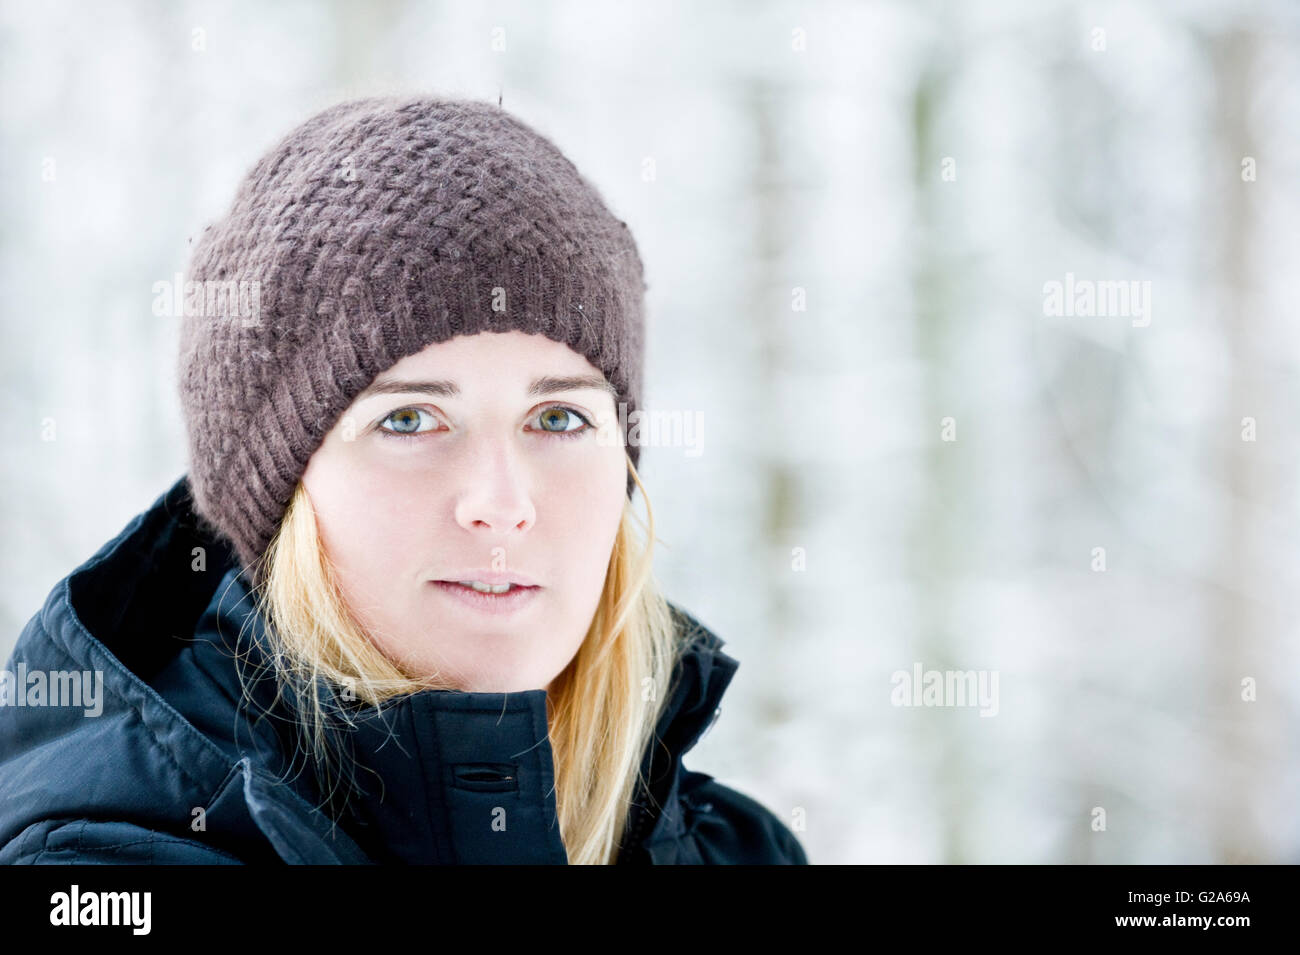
column 583, row 506
column 371, row 518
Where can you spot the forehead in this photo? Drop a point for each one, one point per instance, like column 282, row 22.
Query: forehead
column 490, row 362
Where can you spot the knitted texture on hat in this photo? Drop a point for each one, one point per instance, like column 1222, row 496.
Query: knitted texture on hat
column 376, row 228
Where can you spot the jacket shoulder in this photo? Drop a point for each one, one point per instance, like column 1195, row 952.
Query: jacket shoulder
column 105, row 842
column 731, row 828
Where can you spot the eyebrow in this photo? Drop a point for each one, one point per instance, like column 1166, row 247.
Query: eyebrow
column 547, row 385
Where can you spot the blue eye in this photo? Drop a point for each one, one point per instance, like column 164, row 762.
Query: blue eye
column 561, row 416
column 409, row 422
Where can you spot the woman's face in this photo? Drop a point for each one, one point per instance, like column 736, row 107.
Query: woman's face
column 466, row 460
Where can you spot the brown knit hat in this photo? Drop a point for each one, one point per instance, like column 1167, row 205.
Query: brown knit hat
column 376, row 228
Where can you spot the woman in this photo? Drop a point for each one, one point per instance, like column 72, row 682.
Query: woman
column 396, row 610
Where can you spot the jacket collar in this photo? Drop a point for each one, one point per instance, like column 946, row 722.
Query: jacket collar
column 442, row 776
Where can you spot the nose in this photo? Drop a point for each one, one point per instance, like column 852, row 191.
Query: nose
column 496, row 495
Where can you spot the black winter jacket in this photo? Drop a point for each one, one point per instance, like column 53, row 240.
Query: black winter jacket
column 174, row 769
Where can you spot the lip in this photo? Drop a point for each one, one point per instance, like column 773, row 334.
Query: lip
column 496, row 604
column 491, row 577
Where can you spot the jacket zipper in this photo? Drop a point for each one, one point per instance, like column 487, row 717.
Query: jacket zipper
column 640, row 817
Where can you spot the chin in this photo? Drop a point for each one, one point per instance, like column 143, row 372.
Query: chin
column 506, row 681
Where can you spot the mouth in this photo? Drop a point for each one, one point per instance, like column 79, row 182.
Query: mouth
column 489, row 599
column 482, row 588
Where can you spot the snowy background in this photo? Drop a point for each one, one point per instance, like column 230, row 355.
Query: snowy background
column 848, row 214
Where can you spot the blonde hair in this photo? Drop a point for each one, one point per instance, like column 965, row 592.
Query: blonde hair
column 602, row 708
